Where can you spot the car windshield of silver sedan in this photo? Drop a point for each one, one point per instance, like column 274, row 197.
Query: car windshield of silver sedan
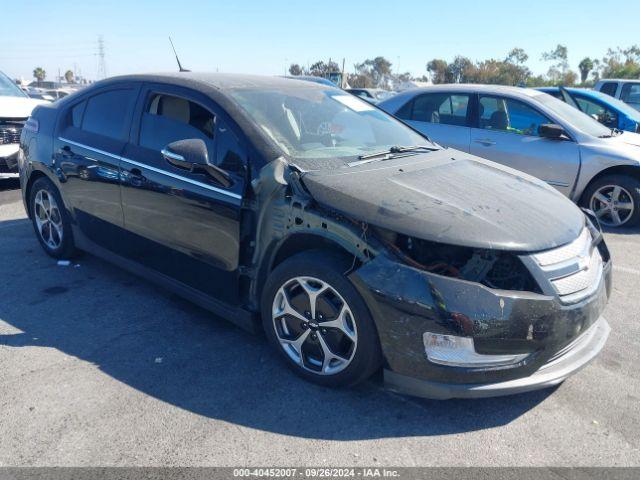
column 8, row 88
column 316, row 123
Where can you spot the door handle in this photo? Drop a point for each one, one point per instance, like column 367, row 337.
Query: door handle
column 486, row 142
column 136, row 178
column 65, row 151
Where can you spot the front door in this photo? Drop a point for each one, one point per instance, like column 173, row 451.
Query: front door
column 183, row 224
column 507, row 133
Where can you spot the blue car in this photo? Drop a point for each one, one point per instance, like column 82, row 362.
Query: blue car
column 607, row 110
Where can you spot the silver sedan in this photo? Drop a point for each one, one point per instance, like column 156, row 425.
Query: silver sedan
column 597, row 167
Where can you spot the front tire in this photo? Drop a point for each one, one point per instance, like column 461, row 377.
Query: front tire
column 51, row 220
column 615, row 199
column 319, row 323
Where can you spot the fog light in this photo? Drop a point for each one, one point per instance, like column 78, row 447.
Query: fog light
column 460, row 352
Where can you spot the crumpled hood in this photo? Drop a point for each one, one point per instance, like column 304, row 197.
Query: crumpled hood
column 18, row 107
column 463, row 201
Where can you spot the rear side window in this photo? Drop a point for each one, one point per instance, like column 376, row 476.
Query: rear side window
column 445, row 108
column 609, row 88
column 108, row 113
column 168, row 118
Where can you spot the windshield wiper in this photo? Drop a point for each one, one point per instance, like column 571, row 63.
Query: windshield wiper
column 397, row 149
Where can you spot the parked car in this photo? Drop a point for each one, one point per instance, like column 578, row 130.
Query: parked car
column 371, row 95
column 538, row 134
column 623, row 89
column 609, row 111
column 15, row 108
column 353, row 241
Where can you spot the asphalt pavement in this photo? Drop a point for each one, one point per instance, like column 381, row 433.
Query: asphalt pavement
column 99, row 367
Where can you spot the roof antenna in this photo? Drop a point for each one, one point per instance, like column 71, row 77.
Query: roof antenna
column 177, row 59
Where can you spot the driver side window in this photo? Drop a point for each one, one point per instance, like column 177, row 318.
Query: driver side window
column 168, row 118
column 604, row 115
column 509, row 115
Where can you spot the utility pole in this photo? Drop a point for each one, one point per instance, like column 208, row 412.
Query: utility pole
column 102, row 64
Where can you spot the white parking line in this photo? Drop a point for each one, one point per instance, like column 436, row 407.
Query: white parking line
column 633, row 271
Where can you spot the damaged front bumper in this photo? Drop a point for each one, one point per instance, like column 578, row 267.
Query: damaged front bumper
column 550, row 339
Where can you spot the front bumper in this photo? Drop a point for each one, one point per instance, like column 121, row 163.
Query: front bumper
column 405, row 302
column 586, row 348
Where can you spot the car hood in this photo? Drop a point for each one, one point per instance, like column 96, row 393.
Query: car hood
column 461, row 200
column 18, row 107
column 626, row 138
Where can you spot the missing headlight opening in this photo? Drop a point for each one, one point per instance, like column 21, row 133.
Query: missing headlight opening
column 500, row 270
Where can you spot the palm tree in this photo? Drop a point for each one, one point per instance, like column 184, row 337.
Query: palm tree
column 68, row 76
column 39, row 74
column 585, row 66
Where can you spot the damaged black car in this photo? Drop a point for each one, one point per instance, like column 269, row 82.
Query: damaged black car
column 353, row 241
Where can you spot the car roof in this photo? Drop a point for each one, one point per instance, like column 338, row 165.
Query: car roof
column 223, row 82
column 475, row 88
column 628, row 80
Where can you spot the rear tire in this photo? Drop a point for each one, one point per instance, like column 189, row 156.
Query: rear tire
column 318, row 321
column 50, row 219
column 615, row 199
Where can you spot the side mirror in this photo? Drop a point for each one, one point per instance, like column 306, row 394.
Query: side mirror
column 551, row 130
column 186, row 154
column 192, row 155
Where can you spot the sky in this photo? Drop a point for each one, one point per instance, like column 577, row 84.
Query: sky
column 264, row 37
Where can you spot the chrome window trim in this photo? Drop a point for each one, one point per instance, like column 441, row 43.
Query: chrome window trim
column 153, row 169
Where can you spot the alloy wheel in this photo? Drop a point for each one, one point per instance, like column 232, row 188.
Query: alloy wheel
column 613, row 205
column 48, row 219
column 314, row 325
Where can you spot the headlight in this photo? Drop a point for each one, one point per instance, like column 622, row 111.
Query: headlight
column 456, row 351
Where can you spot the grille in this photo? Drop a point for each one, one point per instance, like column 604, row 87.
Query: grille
column 573, row 271
column 583, row 279
column 566, row 253
column 10, row 134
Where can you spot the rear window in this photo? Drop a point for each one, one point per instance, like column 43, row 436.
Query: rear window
column 107, row 113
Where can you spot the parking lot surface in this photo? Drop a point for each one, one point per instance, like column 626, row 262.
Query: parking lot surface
column 99, row 367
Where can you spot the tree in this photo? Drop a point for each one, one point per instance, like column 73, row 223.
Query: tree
column 68, row 76
column 621, row 63
column 585, row 66
column 373, row 72
column 461, row 70
column 559, row 73
column 295, row 69
column 517, row 56
column 438, row 71
column 322, row 69
column 39, row 74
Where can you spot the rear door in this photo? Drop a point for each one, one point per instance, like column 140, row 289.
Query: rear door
column 183, row 224
column 507, row 133
column 442, row 116
column 92, row 133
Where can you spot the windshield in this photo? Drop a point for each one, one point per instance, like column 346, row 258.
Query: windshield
column 8, row 88
column 324, row 123
column 575, row 117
